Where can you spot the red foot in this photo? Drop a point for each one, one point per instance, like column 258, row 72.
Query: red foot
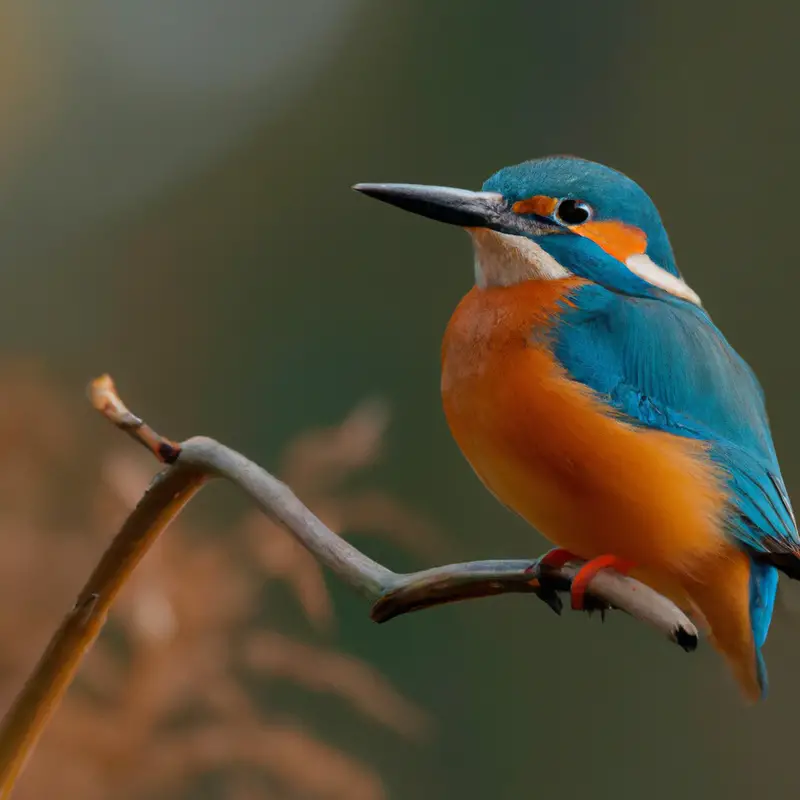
column 581, row 581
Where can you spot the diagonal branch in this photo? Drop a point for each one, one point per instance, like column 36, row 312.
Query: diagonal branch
column 190, row 465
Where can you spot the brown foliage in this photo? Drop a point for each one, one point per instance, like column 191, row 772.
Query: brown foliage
column 165, row 696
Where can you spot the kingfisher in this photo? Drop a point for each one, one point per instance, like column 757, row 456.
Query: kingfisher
column 592, row 394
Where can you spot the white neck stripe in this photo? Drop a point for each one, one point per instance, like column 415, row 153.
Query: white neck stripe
column 643, row 266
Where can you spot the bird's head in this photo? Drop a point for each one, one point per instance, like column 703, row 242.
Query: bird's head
column 551, row 218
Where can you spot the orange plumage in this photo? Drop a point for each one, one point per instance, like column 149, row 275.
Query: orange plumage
column 550, row 449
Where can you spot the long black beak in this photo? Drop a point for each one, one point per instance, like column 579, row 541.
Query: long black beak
column 453, row 206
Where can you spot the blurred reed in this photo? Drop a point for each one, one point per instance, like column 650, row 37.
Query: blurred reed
column 173, row 691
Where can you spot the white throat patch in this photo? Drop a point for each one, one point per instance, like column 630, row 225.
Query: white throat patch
column 503, row 260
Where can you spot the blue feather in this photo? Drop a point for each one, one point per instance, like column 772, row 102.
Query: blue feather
column 662, row 363
column 763, row 587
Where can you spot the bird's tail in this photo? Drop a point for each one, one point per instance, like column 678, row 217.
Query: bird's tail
column 763, row 588
column 736, row 599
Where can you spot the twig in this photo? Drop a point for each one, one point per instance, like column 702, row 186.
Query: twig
column 103, row 396
column 191, row 464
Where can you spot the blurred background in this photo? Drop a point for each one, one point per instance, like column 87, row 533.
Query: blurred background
column 175, row 209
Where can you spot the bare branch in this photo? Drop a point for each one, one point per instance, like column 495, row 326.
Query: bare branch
column 473, row 579
column 191, row 464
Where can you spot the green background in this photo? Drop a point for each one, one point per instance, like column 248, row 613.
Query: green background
column 245, row 292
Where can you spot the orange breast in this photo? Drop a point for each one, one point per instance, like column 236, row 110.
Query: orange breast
column 551, row 450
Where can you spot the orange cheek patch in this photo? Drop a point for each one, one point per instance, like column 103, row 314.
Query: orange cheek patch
column 616, row 238
column 538, row 204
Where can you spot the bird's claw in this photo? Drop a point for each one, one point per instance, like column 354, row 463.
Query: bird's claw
column 551, row 598
column 581, row 598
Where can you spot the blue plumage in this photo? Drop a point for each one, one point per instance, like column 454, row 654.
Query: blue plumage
column 663, row 364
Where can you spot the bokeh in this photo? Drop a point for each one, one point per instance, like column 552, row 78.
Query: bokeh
column 175, row 209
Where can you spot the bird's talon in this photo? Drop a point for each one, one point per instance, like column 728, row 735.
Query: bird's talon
column 552, row 599
column 587, row 573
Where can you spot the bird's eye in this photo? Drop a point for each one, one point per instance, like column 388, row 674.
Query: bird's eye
column 572, row 212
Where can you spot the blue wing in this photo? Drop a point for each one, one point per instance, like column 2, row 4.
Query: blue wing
column 663, row 364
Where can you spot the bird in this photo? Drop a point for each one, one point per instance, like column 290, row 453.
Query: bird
column 592, row 394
